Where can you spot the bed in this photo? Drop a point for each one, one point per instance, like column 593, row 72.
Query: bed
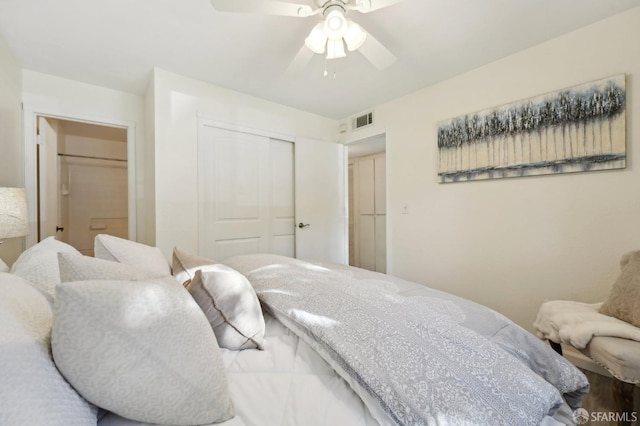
column 336, row 345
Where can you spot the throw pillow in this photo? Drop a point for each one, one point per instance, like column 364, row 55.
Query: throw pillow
column 624, row 300
column 75, row 267
column 185, row 265
column 108, row 247
column 230, row 303
column 32, row 391
column 143, row 350
column 39, row 265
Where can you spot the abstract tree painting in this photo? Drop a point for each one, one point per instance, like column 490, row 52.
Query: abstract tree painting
column 576, row 129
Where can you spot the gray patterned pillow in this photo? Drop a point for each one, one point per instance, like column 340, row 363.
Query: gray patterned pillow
column 32, row 391
column 230, row 303
column 39, row 265
column 143, row 350
column 76, row 267
column 108, row 247
column 624, row 300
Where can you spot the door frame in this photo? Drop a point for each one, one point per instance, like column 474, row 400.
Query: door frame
column 30, row 122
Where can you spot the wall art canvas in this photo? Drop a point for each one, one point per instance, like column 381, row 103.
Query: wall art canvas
column 572, row 130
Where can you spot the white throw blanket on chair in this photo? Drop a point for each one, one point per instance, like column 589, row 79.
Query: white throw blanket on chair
column 575, row 323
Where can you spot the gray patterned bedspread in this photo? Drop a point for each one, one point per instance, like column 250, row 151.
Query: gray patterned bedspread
column 415, row 355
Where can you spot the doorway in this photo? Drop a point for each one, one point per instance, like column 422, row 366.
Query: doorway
column 82, row 182
column 367, row 204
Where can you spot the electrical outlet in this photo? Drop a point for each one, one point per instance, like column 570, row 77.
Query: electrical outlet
column 405, row 208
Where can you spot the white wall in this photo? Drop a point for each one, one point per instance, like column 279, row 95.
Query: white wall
column 177, row 102
column 49, row 95
column 11, row 172
column 511, row 243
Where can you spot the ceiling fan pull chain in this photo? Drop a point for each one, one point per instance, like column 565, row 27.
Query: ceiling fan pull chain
column 325, row 67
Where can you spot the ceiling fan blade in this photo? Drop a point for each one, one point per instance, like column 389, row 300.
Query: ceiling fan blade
column 299, row 62
column 376, row 53
column 366, row 6
column 264, row 7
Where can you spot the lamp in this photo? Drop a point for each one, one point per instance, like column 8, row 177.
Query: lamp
column 335, row 49
column 355, row 36
column 335, row 24
column 13, row 216
column 317, row 39
column 334, row 32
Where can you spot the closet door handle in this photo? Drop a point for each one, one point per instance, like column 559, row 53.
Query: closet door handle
column 303, row 225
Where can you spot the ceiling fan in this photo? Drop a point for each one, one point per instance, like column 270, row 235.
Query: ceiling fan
column 330, row 35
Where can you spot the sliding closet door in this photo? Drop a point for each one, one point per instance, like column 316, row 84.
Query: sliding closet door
column 282, row 211
column 245, row 188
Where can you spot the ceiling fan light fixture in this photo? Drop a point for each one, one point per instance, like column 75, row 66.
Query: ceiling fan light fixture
column 317, row 39
column 355, row 36
column 335, row 23
column 335, row 49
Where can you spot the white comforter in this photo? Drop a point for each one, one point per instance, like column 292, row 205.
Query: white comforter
column 289, row 384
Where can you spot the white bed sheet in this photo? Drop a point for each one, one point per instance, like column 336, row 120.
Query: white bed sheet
column 288, row 384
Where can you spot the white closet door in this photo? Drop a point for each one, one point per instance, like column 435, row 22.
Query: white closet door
column 380, row 185
column 371, row 193
column 282, row 229
column 248, row 202
column 233, row 193
column 366, row 218
column 245, row 189
column 381, row 213
column 381, row 243
column 320, row 198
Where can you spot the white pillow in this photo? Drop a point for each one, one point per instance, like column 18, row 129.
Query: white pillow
column 84, row 268
column 185, row 265
column 32, row 391
column 230, row 303
column 39, row 265
column 143, row 350
column 120, row 250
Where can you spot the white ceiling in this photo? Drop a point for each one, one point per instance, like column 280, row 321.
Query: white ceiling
column 116, row 44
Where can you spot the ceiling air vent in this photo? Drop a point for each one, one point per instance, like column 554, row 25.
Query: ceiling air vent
column 361, row 121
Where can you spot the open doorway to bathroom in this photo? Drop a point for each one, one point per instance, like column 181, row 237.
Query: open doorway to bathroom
column 368, row 204
column 82, row 182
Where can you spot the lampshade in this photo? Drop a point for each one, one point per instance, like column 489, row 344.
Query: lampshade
column 355, row 36
column 14, row 220
column 317, row 39
column 335, row 23
column 335, row 49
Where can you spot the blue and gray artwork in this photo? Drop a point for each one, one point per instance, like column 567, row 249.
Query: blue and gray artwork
column 577, row 129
